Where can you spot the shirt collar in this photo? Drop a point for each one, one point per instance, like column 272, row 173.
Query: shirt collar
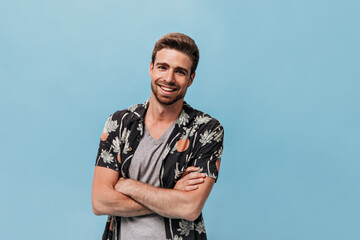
column 140, row 110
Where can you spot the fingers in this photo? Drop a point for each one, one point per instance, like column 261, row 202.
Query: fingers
column 192, row 169
column 195, row 181
column 193, row 178
column 195, row 175
column 190, row 179
column 190, row 188
column 189, row 170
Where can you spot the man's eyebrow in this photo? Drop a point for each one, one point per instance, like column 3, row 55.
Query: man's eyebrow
column 167, row 65
column 162, row 63
column 182, row 69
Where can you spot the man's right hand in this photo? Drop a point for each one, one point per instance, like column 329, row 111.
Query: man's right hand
column 190, row 179
column 185, row 201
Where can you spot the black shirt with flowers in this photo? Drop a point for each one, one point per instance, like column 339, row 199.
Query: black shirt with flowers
column 197, row 140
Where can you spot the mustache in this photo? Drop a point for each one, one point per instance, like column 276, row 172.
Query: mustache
column 166, row 84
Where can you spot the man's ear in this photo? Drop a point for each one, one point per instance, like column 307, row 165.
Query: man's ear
column 191, row 79
column 151, row 67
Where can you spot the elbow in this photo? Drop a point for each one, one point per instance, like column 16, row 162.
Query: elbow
column 192, row 213
column 192, row 216
column 96, row 211
column 97, row 208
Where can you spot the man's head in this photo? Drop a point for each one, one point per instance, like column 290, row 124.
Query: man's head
column 172, row 69
column 180, row 42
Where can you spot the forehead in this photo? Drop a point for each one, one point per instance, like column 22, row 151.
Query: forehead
column 173, row 57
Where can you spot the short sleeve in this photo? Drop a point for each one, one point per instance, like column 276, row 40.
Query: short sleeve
column 209, row 148
column 109, row 146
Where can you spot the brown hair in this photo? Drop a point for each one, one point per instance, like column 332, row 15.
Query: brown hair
column 180, row 42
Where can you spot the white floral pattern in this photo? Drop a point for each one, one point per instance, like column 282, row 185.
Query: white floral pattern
column 116, row 145
column 202, row 119
column 140, row 128
column 125, row 135
column 200, row 227
column 132, row 108
column 189, row 132
column 107, row 156
column 183, row 119
column 185, row 227
column 219, row 135
column 125, row 139
column 207, row 137
column 110, row 125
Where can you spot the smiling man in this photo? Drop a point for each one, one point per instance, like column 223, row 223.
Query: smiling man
column 157, row 161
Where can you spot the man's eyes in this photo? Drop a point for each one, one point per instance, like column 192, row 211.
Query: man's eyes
column 180, row 72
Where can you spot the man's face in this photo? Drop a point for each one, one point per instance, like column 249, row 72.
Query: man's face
column 170, row 75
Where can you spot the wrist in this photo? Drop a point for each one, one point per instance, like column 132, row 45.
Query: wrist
column 127, row 186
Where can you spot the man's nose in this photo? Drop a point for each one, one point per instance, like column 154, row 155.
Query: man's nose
column 169, row 77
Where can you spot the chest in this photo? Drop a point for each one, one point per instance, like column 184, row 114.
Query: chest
column 146, row 164
column 144, row 159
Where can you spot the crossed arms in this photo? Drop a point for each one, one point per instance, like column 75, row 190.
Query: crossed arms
column 128, row 197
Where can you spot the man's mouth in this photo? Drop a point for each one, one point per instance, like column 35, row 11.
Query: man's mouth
column 167, row 89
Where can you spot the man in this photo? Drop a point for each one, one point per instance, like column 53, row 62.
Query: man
column 158, row 161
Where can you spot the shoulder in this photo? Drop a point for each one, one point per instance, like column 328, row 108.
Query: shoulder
column 134, row 111
column 200, row 119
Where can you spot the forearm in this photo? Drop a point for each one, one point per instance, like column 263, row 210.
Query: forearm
column 169, row 203
column 111, row 202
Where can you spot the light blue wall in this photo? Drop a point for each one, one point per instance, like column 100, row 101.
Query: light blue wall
column 282, row 76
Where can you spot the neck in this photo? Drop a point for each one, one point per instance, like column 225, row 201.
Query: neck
column 158, row 113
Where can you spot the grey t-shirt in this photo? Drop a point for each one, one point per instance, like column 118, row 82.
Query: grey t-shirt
column 145, row 167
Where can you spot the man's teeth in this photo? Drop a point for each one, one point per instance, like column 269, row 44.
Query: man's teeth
column 168, row 89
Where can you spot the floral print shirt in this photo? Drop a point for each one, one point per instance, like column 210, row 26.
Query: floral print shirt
column 197, row 140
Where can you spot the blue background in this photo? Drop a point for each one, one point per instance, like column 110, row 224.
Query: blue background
column 282, row 76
